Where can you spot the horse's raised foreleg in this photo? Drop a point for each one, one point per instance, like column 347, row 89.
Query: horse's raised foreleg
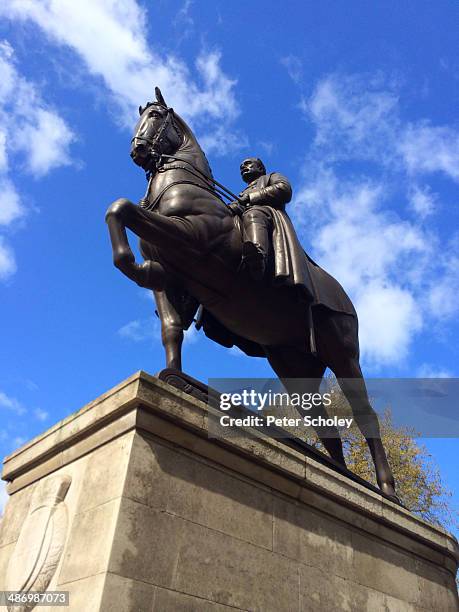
column 156, row 229
column 171, row 330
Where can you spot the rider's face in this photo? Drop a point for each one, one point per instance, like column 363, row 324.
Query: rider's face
column 250, row 169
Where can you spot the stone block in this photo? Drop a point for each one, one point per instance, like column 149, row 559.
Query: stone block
column 303, row 534
column 16, row 510
column 85, row 595
column 147, row 544
column 172, row 601
column 231, row 572
column 320, row 591
column 89, row 543
column 437, row 588
column 126, row 595
column 190, row 487
column 104, row 473
column 385, row 568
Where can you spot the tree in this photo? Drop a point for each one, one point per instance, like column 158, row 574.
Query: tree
column 418, row 481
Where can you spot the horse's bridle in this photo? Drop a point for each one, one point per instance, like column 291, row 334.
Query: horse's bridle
column 156, row 142
column 158, row 158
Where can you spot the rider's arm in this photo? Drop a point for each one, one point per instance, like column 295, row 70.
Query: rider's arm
column 276, row 194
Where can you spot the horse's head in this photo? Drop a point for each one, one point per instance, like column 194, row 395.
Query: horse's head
column 156, row 133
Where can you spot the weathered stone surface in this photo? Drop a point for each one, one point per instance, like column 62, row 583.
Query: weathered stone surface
column 303, row 534
column 322, row 591
column 385, row 568
column 90, row 541
column 147, row 544
column 5, row 555
column 186, row 485
column 84, row 595
column 104, row 473
column 126, row 595
column 160, row 517
column 16, row 511
column 217, row 567
column 171, row 601
column 437, row 588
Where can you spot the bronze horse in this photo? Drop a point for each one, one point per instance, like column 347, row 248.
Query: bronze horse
column 191, row 244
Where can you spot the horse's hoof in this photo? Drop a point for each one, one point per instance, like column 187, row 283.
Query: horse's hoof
column 151, row 275
column 389, row 490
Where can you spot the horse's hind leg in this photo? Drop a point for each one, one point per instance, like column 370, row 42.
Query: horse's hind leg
column 351, row 381
column 300, row 372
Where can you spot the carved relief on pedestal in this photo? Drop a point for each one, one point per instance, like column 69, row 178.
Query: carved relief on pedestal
column 41, row 541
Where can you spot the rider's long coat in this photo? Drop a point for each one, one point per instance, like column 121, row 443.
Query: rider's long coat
column 292, row 266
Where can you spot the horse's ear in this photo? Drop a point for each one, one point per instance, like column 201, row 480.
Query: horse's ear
column 141, row 109
column 159, row 97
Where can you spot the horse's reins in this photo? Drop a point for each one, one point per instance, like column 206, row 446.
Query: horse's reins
column 210, row 186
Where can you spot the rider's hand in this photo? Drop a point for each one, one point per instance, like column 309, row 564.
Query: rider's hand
column 236, row 208
column 244, row 199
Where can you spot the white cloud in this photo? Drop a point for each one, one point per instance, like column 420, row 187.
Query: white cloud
column 366, row 249
column 10, row 203
column 11, row 403
column 388, row 319
column 32, row 134
column 148, row 330
column 444, row 288
column 267, row 146
column 223, row 142
column 183, row 21
column 422, row 201
column 140, row 330
column 110, row 37
column 49, row 140
column 294, row 67
column 359, row 117
column 3, row 152
column 397, row 270
column 352, row 119
column 28, row 125
column 426, row 148
column 7, row 260
column 427, row 370
column 40, row 415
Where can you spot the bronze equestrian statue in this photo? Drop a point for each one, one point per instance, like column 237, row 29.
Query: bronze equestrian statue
column 192, row 245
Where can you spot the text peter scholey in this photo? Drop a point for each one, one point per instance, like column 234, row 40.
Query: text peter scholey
column 306, row 421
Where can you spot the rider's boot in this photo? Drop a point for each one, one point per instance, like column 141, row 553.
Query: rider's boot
column 255, row 249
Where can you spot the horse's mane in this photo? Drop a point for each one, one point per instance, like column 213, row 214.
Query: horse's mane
column 190, row 143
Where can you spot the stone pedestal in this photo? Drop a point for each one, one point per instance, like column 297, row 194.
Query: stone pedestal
column 130, row 507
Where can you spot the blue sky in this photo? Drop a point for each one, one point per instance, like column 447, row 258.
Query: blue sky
column 354, row 101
